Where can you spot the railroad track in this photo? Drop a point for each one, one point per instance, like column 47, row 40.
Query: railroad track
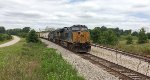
column 114, row 69
column 141, row 57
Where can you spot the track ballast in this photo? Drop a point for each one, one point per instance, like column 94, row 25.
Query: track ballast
column 117, row 70
column 112, row 68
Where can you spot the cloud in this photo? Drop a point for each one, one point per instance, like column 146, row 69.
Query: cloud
column 141, row 15
column 75, row 1
column 22, row 15
column 126, row 14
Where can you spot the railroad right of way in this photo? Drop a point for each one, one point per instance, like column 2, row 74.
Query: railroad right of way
column 134, row 62
column 85, row 68
column 116, row 70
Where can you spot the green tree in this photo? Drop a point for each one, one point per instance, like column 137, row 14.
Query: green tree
column 26, row 29
column 1, row 37
column 148, row 35
column 5, row 37
column 22, row 34
column 117, row 32
column 127, row 32
column 103, row 28
column 2, row 29
column 15, row 31
column 129, row 40
column 142, row 38
column 95, row 34
column 110, row 38
column 134, row 33
column 32, row 37
column 104, row 36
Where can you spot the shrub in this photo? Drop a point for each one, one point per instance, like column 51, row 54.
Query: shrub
column 5, row 37
column 142, row 37
column 111, row 38
column 104, row 36
column 129, row 40
column 1, row 37
column 135, row 33
column 2, row 30
column 32, row 37
column 23, row 34
column 148, row 35
column 108, row 38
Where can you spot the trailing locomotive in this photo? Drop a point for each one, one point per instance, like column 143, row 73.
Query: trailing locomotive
column 76, row 38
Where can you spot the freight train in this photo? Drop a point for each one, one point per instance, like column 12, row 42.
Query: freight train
column 75, row 38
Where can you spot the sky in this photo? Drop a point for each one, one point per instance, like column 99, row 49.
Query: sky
column 125, row 14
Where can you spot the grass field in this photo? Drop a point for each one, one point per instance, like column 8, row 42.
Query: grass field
column 33, row 61
column 141, row 49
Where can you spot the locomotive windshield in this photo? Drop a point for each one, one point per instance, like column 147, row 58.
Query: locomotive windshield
column 75, row 28
column 84, row 29
column 79, row 28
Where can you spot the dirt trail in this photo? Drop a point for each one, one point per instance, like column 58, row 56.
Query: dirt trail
column 15, row 40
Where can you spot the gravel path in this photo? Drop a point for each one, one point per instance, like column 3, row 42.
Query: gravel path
column 15, row 40
column 86, row 69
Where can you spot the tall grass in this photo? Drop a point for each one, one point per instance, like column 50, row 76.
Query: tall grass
column 33, row 61
column 141, row 49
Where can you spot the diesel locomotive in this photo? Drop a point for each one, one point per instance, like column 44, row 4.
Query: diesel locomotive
column 75, row 38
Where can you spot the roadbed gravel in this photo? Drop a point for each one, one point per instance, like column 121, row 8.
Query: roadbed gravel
column 15, row 40
column 86, row 69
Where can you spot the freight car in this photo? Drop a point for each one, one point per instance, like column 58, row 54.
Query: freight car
column 43, row 34
column 76, row 38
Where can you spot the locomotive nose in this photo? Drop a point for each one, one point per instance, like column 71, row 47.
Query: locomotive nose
column 81, row 37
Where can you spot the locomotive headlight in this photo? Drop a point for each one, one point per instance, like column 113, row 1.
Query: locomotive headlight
column 82, row 35
column 78, row 32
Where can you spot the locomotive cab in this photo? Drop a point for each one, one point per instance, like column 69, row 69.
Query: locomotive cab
column 81, row 38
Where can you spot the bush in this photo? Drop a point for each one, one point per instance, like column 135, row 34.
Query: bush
column 148, row 35
column 135, row 33
column 108, row 38
column 32, row 37
column 5, row 37
column 1, row 37
column 111, row 38
column 23, row 34
column 142, row 37
column 129, row 40
column 104, row 36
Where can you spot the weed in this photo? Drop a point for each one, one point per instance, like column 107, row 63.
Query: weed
column 33, row 61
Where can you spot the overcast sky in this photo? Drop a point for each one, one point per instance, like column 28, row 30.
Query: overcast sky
column 125, row 14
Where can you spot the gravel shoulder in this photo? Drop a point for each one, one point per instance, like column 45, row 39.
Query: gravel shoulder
column 15, row 40
column 86, row 69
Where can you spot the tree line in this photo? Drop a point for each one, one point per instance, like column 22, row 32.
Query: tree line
column 25, row 32
column 110, row 36
column 6, row 34
column 3, row 35
column 17, row 31
column 100, row 35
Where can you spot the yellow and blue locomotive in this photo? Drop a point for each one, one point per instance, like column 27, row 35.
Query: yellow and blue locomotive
column 76, row 38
